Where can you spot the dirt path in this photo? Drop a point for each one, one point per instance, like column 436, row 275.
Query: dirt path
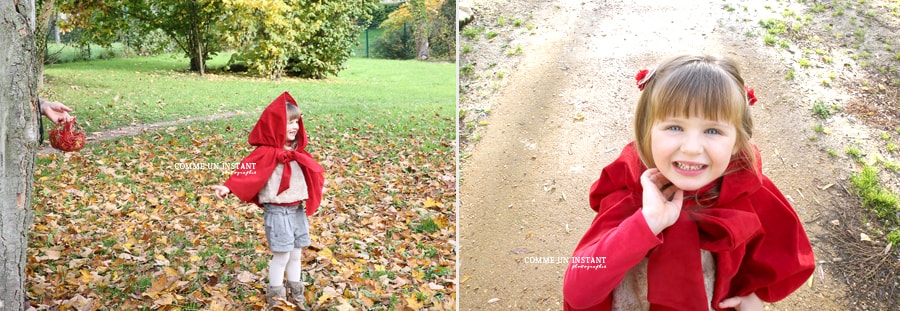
column 563, row 111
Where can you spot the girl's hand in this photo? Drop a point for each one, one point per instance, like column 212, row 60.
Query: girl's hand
column 220, row 190
column 743, row 303
column 662, row 200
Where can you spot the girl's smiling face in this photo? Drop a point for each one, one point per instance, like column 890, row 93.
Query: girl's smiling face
column 692, row 152
column 292, row 127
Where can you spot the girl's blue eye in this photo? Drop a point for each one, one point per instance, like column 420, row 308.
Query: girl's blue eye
column 674, row 128
column 713, row 131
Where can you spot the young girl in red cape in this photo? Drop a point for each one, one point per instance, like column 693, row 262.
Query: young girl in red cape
column 685, row 218
column 283, row 178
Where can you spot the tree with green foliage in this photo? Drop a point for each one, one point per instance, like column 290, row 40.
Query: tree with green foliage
column 380, row 14
column 307, row 38
column 190, row 24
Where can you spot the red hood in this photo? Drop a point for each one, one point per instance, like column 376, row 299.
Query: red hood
column 271, row 128
column 268, row 136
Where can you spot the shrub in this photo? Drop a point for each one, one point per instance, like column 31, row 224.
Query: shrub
column 395, row 45
column 309, row 41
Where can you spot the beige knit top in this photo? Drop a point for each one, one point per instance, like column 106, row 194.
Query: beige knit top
column 297, row 190
column 631, row 294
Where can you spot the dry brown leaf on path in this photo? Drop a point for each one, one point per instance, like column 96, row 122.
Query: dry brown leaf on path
column 864, row 237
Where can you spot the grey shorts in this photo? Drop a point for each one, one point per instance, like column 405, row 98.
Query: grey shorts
column 286, row 227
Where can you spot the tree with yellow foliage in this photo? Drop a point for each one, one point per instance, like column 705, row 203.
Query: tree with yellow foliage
column 431, row 22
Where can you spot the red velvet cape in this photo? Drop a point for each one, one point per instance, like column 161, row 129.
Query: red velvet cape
column 752, row 231
column 268, row 136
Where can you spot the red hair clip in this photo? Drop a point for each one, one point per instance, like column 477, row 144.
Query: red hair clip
column 642, row 78
column 751, row 98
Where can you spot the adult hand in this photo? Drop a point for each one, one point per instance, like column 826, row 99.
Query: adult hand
column 220, row 190
column 743, row 303
column 662, row 200
column 55, row 111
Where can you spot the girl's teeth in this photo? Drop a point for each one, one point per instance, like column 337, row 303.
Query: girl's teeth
column 688, row 167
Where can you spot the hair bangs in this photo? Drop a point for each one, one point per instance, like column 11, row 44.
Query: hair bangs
column 698, row 90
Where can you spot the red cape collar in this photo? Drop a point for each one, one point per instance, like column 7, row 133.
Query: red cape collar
column 724, row 224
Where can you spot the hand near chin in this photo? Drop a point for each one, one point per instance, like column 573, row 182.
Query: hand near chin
column 662, row 200
column 743, row 303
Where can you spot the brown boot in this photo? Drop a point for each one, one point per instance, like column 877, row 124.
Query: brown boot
column 273, row 292
column 296, row 292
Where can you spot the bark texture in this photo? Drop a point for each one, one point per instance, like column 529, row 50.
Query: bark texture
column 18, row 142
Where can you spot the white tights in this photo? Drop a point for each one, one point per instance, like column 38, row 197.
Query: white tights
column 280, row 262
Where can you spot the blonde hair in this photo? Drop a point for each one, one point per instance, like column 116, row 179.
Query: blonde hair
column 704, row 86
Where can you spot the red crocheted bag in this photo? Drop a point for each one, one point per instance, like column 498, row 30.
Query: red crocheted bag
column 67, row 137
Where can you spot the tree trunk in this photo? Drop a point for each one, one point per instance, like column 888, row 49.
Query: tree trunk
column 18, row 143
column 423, row 51
column 195, row 40
column 198, row 62
column 200, row 53
column 195, row 45
column 419, row 11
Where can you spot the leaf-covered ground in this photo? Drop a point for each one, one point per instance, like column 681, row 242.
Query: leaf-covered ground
column 130, row 224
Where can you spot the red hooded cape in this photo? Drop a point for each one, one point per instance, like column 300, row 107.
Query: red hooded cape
column 268, row 136
column 751, row 230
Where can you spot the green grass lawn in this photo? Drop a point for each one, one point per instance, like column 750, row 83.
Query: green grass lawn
column 123, row 224
column 114, row 93
column 64, row 53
